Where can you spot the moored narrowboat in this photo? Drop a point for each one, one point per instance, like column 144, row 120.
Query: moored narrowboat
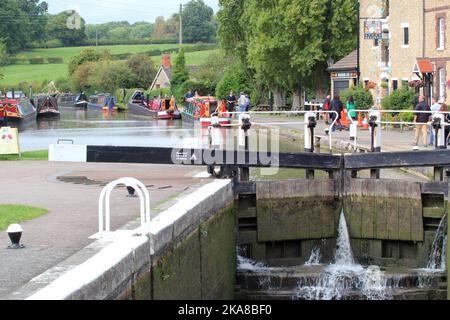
column 65, row 100
column 200, row 109
column 16, row 112
column 164, row 108
column 102, row 101
column 81, row 101
column 47, row 106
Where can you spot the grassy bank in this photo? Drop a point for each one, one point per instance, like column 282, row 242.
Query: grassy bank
column 15, row 74
column 10, row 213
column 28, row 155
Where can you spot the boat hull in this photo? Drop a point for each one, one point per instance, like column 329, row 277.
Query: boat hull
column 204, row 122
column 134, row 108
column 169, row 115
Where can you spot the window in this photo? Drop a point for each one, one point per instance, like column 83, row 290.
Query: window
column 376, row 42
column 441, row 34
column 405, row 83
column 394, row 85
column 442, row 83
column 366, row 84
column 406, row 36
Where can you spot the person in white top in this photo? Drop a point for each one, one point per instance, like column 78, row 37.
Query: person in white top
column 242, row 102
column 435, row 107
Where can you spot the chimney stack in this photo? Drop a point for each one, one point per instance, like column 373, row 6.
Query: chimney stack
column 166, row 61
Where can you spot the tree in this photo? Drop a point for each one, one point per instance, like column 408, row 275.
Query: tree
column 160, row 28
column 68, row 26
column 142, row 69
column 107, row 76
column 363, row 98
column 3, row 56
column 179, row 72
column 22, row 21
column 197, row 22
column 84, row 56
column 80, row 77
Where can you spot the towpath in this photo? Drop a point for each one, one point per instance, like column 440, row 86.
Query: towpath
column 70, row 192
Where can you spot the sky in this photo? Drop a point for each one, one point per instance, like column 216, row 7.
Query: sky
column 100, row 11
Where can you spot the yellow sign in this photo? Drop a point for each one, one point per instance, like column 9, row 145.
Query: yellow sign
column 9, row 141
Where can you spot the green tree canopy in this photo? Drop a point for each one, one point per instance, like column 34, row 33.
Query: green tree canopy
column 88, row 54
column 179, row 71
column 197, row 22
column 142, row 71
column 22, row 21
column 68, row 26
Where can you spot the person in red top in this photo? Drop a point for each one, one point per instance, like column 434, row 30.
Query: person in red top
column 326, row 107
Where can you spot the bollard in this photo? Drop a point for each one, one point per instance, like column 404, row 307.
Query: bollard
column 375, row 138
column 310, row 124
column 15, row 233
column 245, row 125
column 438, row 124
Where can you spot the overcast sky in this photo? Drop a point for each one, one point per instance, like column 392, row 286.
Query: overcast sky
column 99, row 11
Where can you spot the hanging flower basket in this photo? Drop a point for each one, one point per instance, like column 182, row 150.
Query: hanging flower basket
column 371, row 85
column 415, row 84
column 448, row 84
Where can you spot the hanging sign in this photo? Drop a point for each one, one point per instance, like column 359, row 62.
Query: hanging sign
column 373, row 29
column 9, row 141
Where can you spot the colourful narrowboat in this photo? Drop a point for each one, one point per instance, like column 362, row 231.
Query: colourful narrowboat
column 16, row 112
column 102, row 101
column 164, row 108
column 200, row 109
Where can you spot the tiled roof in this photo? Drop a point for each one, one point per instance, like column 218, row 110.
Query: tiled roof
column 424, row 66
column 346, row 63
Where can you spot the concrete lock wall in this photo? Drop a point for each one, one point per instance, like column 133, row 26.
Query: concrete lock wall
column 390, row 222
column 189, row 253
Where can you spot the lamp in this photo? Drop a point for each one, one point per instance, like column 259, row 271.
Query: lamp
column 330, row 62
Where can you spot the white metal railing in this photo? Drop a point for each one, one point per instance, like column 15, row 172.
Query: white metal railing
column 330, row 131
column 104, row 208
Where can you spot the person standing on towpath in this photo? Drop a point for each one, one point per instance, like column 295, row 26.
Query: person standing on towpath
column 421, row 120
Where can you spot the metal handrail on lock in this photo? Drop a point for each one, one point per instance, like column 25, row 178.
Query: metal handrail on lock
column 104, row 209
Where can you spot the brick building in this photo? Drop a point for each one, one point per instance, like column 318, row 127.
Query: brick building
column 414, row 34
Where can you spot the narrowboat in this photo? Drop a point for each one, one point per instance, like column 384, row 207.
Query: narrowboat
column 16, row 112
column 47, row 106
column 200, row 109
column 66, row 100
column 81, row 101
column 102, row 101
column 164, row 108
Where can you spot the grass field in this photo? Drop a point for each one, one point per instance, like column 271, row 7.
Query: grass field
column 28, row 155
column 16, row 74
column 10, row 214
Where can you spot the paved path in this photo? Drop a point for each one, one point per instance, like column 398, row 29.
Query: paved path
column 73, row 215
column 391, row 140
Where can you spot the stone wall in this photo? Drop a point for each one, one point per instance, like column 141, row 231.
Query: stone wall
column 187, row 252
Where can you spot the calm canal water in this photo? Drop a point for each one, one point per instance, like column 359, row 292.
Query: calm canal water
column 94, row 127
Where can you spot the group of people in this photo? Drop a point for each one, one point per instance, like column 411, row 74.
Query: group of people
column 243, row 102
column 424, row 115
column 337, row 106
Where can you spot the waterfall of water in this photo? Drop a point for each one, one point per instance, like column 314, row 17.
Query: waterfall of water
column 344, row 276
column 344, row 254
column 314, row 259
column 437, row 257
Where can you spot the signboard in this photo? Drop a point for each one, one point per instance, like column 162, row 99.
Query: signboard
column 373, row 29
column 344, row 74
column 9, row 141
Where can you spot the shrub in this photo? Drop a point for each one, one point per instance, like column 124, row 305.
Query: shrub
column 36, row 60
column 401, row 99
column 363, row 98
column 55, row 60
